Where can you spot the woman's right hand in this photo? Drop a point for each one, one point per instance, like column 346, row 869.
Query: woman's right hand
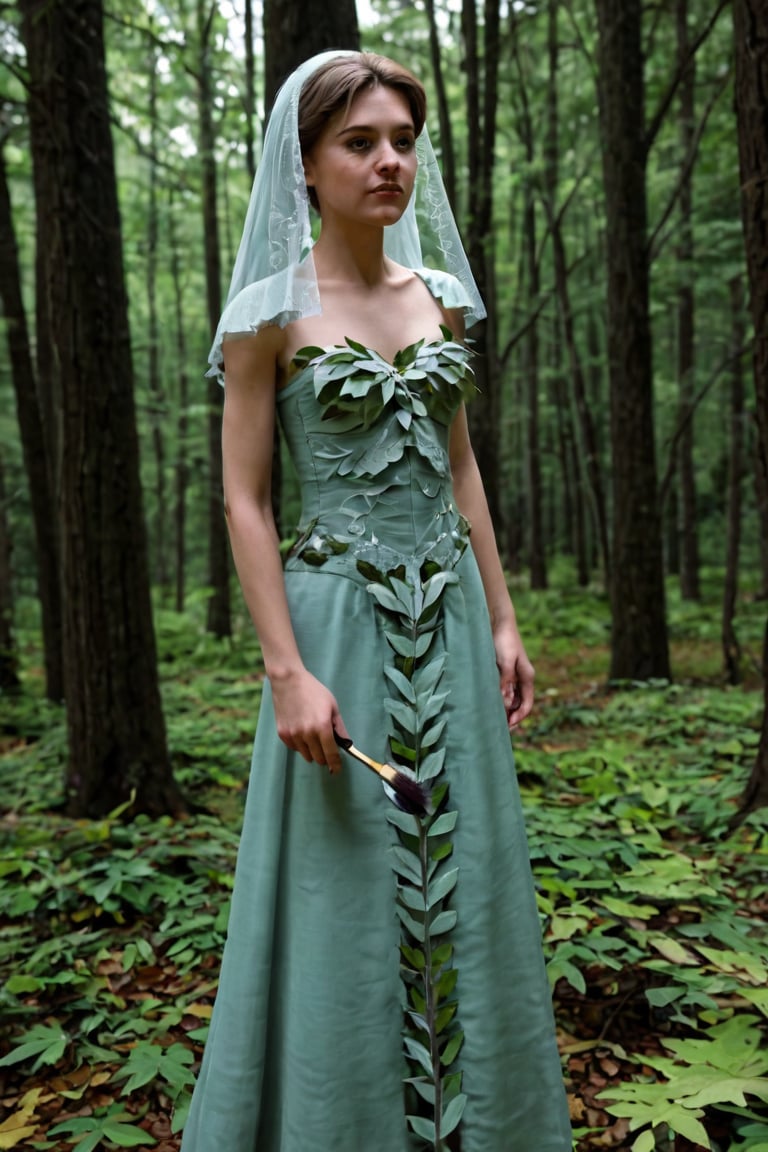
column 307, row 714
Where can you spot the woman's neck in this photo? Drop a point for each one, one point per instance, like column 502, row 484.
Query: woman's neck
column 359, row 259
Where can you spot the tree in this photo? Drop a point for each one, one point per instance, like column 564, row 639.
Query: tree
column 294, row 30
column 33, row 444
column 219, row 622
column 115, row 723
column 639, row 646
column 750, row 26
column 9, row 656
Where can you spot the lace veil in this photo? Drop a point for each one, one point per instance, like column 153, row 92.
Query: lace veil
column 274, row 279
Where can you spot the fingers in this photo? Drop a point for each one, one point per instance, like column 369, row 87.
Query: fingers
column 517, row 692
column 306, row 714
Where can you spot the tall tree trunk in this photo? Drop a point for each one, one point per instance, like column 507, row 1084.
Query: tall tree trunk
column 750, row 24
column 9, row 655
column 537, row 559
column 446, row 151
column 731, row 647
column 761, row 501
column 157, row 404
column 639, row 646
column 249, row 96
column 481, row 104
column 116, row 731
column 218, row 622
column 182, row 420
column 33, row 445
column 578, row 381
column 689, row 541
column 294, row 30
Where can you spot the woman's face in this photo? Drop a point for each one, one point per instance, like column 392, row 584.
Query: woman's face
column 363, row 166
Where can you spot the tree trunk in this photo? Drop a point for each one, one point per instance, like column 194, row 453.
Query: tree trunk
column 689, row 540
column 157, row 405
column 33, row 445
column 761, row 501
column 481, row 104
column 117, row 748
column 731, row 647
column 218, row 622
column 446, row 149
column 249, row 96
column 639, row 646
column 750, row 22
column 9, row 656
column 182, row 420
column 294, row 30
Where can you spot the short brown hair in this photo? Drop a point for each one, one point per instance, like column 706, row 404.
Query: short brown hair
column 336, row 83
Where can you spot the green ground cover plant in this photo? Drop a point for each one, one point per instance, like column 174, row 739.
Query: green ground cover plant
column 652, row 904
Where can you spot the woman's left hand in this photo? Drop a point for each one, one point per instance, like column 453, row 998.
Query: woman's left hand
column 516, row 673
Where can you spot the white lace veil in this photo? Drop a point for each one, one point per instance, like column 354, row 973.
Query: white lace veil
column 274, row 280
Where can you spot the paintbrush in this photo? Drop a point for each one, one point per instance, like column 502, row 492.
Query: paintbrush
column 408, row 794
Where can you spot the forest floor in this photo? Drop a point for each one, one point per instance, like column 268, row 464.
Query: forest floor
column 653, row 908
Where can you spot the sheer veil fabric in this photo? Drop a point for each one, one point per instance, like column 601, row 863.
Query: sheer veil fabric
column 274, row 279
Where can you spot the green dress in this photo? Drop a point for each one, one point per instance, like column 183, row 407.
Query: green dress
column 382, row 986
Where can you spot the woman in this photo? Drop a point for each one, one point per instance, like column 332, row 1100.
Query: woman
column 382, row 986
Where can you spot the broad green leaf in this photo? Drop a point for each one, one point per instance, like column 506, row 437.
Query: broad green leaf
column 451, row 1050
column 419, row 1053
column 443, row 922
column 452, row 1115
column 441, row 886
column 401, row 682
column 415, row 928
column 422, row 1127
column 443, row 824
column 406, row 863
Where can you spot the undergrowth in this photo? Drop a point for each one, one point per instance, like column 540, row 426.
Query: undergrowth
column 653, row 913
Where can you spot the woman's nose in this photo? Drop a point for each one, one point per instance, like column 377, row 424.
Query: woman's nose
column 388, row 159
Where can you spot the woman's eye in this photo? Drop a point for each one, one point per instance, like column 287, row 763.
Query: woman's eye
column 358, row 144
column 405, row 143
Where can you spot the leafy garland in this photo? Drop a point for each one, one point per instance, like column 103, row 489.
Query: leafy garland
column 421, row 859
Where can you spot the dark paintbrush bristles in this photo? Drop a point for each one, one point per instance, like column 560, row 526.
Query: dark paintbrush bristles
column 410, row 795
column 410, row 792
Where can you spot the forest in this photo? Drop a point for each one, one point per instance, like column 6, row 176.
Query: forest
column 607, row 161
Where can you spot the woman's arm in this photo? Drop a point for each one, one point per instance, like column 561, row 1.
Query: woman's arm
column 515, row 669
column 305, row 711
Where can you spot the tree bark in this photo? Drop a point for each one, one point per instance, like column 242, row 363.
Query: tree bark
column 182, row 420
column 33, row 445
column 294, row 30
column 750, row 25
column 157, row 405
column 9, row 654
column 446, row 151
column 117, row 748
column 481, row 105
column 690, row 587
column 639, row 645
column 731, row 647
column 219, row 621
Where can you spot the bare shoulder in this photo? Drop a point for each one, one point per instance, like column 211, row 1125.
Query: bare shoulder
column 253, row 359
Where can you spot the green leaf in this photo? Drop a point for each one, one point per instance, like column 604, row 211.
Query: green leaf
column 451, row 1050
column 406, row 863
column 452, row 1114
column 128, row 1135
column 443, row 922
column 402, row 683
column 425, row 1088
column 432, row 765
column 419, row 1053
column 441, row 886
column 422, row 1127
column 443, row 824
column 403, row 820
column 413, row 926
